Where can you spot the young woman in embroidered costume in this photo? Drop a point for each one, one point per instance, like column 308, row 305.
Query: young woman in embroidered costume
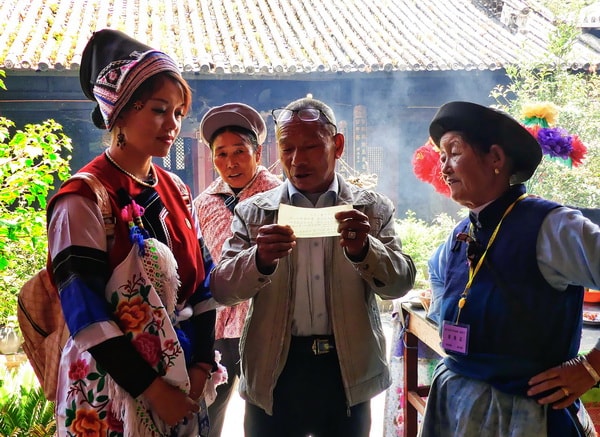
column 512, row 282
column 140, row 319
column 234, row 132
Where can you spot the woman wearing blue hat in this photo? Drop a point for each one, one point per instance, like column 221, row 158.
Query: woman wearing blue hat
column 140, row 319
column 513, row 277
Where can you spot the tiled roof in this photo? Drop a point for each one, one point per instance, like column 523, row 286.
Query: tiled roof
column 283, row 37
column 589, row 17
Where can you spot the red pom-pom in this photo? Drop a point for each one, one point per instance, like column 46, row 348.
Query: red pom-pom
column 533, row 130
column 426, row 167
column 579, row 151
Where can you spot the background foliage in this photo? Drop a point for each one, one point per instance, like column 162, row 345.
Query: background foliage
column 31, row 160
column 576, row 93
column 24, row 411
column 420, row 239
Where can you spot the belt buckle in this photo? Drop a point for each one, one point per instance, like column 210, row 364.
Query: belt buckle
column 321, row 346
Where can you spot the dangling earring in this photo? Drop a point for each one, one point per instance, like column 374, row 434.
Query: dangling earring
column 496, row 171
column 120, row 140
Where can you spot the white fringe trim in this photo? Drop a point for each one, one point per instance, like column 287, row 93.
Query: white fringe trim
column 129, row 411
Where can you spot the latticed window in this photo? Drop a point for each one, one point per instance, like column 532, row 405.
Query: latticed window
column 179, row 159
column 493, row 7
column 175, row 160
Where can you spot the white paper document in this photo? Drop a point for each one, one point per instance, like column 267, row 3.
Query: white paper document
column 311, row 222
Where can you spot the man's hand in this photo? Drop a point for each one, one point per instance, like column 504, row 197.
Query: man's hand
column 353, row 228
column 273, row 242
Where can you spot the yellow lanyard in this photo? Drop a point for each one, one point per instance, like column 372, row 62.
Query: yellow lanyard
column 473, row 271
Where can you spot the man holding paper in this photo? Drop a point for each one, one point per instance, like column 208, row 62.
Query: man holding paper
column 313, row 349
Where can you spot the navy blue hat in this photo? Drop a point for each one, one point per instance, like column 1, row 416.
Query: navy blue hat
column 490, row 126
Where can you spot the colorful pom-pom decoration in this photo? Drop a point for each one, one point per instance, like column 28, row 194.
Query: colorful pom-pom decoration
column 538, row 118
column 542, row 114
column 557, row 143
column 427, row 168
column 132, row 214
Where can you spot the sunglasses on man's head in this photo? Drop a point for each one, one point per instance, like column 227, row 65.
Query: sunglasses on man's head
column 305, row 114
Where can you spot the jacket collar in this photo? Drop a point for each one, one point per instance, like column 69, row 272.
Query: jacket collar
column 489, row 216
column 348, row 194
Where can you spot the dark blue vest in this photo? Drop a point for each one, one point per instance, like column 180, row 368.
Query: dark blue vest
column 519, row 324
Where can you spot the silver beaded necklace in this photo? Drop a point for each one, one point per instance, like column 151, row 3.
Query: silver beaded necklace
column 132, row 176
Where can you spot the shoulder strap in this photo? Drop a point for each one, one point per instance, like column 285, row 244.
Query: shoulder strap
column 180, row 184
column 183, row 189
column 102, row 198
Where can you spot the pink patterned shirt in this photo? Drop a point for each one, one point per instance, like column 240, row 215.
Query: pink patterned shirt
column 215, row 223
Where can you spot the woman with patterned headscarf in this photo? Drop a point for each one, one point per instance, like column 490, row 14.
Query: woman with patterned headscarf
column 140, row 318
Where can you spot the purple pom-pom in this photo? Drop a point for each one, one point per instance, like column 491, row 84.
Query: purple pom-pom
column 555, row 142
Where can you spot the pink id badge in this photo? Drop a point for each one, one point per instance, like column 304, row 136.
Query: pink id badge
column 455, row 337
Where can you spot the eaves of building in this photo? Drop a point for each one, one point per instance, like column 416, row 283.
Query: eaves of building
column 289, row 38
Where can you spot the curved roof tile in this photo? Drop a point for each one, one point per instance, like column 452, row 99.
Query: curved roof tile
column 283, row 37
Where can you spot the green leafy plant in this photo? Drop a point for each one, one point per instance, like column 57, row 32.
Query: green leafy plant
column 578, row 187
column 27, row 413
column 24, row 411
column 32, row 159
column 577, row 96
column 420, row 239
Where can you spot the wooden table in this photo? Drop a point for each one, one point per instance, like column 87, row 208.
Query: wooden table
column 419, row 328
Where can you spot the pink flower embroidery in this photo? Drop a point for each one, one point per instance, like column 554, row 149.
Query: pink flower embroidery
column 148, row 345
column 170, row 345
column 78, row 370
